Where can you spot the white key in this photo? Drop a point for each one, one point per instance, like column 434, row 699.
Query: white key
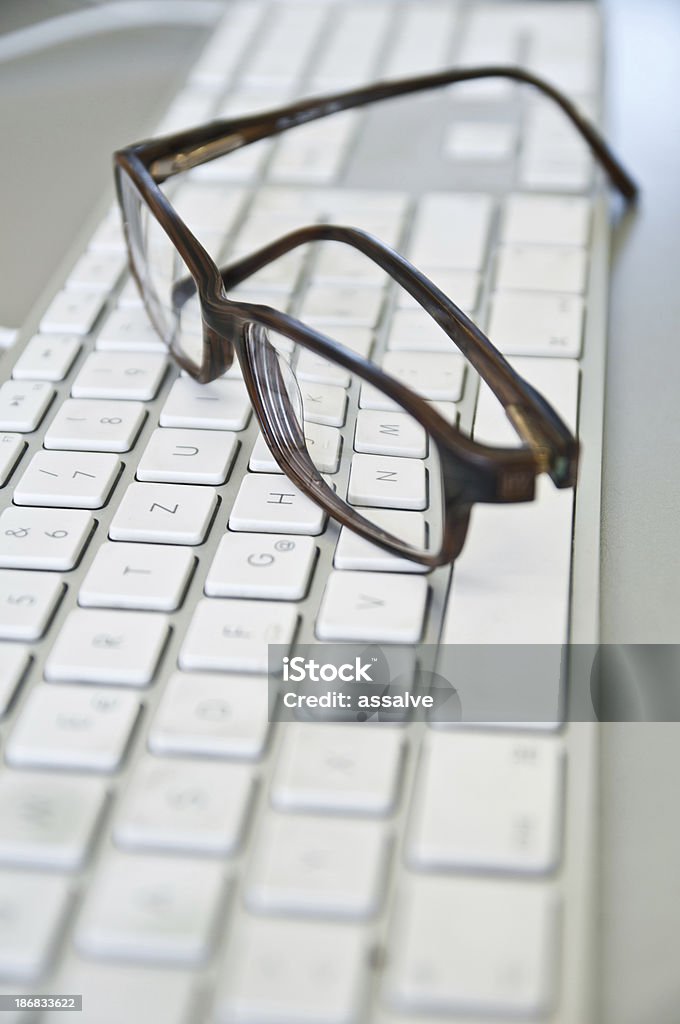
column 67, row 480
column 47, row 357
column 27, row 603
column 164, row 514
column 348, row 770
column 323, row 403
column 543, row 268
column 293, row 971
column 483, row 141
column 151, row 908
column 451, row 231
column 342, row 264
column 381, row 481
column 536, row 324
column 413, row 330
column 32, row 912
column 230, row 635
column 473, row 946
column 461, row 286
column 279, row 276
column 109, row 236
column 546, row 220
column 143, row 576
column 14, row 659
column 518, row 592
column 349, row 53
column 311, row 367
column 11, row 449
column 48, row 821
column 188, row 456
column 95, row 425
column 41, row 538
column 72, row 312
column 284, row 46
column 220, row 405
column 126, row 993
column 396, row 433
column 23, row 405
column 317, row 866
column 354, row 552
column 372, row 606
column 73, row 727
column 129, row 330
column 314, row 152
column 268, row 503
column 226, row 45
column 207, row 206
column 569, row 168
column 335, row 304
column 184, row 806
column 130, row 376
column 510, row 820
column 431, row 374
column 107, row 647
column 422, row 41
column 129, row 297
column 358, row 339
column 96, row 272
column 262, row 565
column 323, row 445
column 212, row 716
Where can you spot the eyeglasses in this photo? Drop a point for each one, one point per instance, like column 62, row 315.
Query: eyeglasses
column 444, row 472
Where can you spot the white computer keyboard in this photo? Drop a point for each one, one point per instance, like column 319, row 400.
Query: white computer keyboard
column 166, row 850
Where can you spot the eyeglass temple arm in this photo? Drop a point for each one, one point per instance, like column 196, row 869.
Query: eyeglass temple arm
column 534, row 419
column 184, row 150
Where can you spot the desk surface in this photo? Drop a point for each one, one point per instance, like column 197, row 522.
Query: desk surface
column 66, row 110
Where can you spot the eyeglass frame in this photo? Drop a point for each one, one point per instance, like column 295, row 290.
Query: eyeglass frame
column 471, row 471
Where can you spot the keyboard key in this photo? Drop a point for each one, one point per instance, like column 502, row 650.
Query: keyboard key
column 33, row 911
column 27, row 603
column 232, row 636
column 354, row 552
column 373, row 607
column 212, row 716
column 108, row 647
column 338, row 769
column 220, row 405
column 184, row 806
column 316, row 866
column 311, row 367
column 483, row 141
column 203, row 205
column 41, row 538
column 512, row 820
column 164, row 514
column 314, row 152
column 544, row 268
column 95, row 425
column 381, row 481
column 142, row 576
column 67, row 480
column 333, row 304
column 96, row 272
column 271, row 504
column 536, row 324
column 349, row 53
column 422, row 41
column 451, row 231
column 262, row 565
column 323, row 445
column 126, row 993
column 430, row 374
column 284, row 46
column 12, row 447
column 393, row 434
column 48, row 821
column 188, row 456
column 355, row 337
column 73, row 312
column 73, row 727
column 23, row 405
column 14, row 660
column 47, row 357
column 129, row 330
column 151, row 909
column 341, row 264
column 293, row 971
column 109, row 235
column 473, row 946
column 323, row 403
column 461, row 286
column 546, row 220
column 226, row 45
column 130, row 376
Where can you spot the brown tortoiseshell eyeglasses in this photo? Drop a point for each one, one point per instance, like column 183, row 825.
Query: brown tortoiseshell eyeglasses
column 186, row 297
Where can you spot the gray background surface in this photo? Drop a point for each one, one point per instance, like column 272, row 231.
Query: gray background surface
column 64, row 111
